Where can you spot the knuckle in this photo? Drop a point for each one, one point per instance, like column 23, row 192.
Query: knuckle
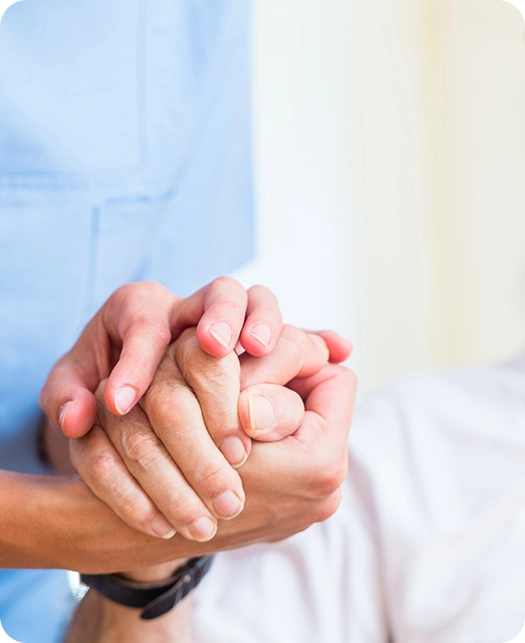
column 135, row 509
column 293, row 334
column 140, row 448
column 224, row 283
column 214, row 374
column 329, row 478
column 342, row 374
column 140, row 521
column 154, row 395
column 187, row 349
column 184, row 511
column 162, row 402
column 139, row 287
column 149, row 325
column 174, row 406
column 212, row 477
column 154, row 288
column 328, row 507
column 188, row 337
column 84, row 450
column 264, row 294
column 103, row 467
column 122, row 294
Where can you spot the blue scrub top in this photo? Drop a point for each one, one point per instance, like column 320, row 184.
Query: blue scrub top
column 124, row 155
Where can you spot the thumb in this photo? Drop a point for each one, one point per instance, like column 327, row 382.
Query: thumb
column 269, row 412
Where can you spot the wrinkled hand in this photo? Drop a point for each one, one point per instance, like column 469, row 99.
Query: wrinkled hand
column 289, row 485
column 159, row 468
column 127, row 339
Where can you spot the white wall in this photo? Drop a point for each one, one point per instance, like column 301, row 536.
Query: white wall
column 390, row 155
column 303, row 157
column 482, row 48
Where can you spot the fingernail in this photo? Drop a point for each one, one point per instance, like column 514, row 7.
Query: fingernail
column 222, row 333
column 233, row 450
column 228, row 505
column 262, row 415
column 63, row 412
column 262, row 333
column 203, row 529
column 124, row 399
column 162, row 528
column 239, row 350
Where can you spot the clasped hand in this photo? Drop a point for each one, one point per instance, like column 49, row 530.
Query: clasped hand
column 175, row 462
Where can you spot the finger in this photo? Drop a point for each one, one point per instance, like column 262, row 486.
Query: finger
column 218, row 310
column 216, row 385
column 316, row 455
column 176, row 418
column 340, row 349
column 296, row 354
column 138, row 319
column 67, row 399
column 135, row 325
column 104, row 472
column 269, row 412
column 329, row 396
column 263, row 323
column 146, row 458
column 329, row 400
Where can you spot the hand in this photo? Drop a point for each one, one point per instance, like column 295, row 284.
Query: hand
column 127, row 339
column 289, row 485
column 172, row 477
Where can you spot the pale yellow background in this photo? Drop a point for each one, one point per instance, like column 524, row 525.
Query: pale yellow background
column 390, row 149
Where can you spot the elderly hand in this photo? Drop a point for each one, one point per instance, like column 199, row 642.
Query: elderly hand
column 159, row 469
column 289, row 484
column 127, row 332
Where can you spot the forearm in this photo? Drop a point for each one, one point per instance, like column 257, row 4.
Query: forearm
column 29, row 521
column 98, row 620
column 56, row 522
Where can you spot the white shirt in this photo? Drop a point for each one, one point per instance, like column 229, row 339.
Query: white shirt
column 428, row 545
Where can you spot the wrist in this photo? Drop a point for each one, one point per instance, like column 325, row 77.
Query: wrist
column 154, row 573
column 155, row 598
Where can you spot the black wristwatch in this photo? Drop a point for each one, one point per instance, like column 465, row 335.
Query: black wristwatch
column 154, row 599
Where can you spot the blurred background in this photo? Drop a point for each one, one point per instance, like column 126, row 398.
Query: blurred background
column 390, row 176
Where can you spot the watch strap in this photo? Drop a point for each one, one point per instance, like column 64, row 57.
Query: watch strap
column 154, row 599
